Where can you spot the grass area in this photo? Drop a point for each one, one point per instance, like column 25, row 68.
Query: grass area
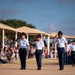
column 33, row 61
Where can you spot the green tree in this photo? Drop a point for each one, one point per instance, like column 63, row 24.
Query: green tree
column 16, row 23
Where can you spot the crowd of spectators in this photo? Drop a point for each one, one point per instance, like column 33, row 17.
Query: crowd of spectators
column 10, row 53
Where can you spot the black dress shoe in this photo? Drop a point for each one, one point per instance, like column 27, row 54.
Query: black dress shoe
column 22, row 68
column 39, row 69
column 61, row 69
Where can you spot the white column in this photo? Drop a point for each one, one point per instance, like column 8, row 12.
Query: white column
column 16, row 38
column 3, row 33
column 41, row 34
column 48, row 44
column 55, row 50
column 27, row 37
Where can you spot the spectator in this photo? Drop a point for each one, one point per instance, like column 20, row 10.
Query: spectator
column 3, row 58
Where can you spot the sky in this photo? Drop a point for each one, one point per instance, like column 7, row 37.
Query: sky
column 46, row 15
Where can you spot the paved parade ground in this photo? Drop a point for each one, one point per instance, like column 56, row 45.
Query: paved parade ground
column 50, row 67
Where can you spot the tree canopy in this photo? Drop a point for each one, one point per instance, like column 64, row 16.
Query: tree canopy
column 16, row 23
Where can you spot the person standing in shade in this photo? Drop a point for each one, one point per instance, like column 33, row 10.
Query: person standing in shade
column 61, row 47
column 73, row 53
column 39, row 45
column 23, row 44
column 69, row 52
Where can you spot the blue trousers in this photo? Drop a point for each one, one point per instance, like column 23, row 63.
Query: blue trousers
column 73, row 57
column 38, row 55
column 22, row 54
column 61, row 52
column 65, row 58
column 69, row 59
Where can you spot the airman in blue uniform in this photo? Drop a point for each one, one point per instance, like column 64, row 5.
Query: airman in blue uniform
column 23, row 44
column 61, row 47
column 73, row 53
column 39, row 45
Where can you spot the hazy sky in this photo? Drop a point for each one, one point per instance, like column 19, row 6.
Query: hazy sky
column 46, row 15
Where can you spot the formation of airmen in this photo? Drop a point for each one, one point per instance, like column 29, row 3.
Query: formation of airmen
column 62, row 48
column 24, row 45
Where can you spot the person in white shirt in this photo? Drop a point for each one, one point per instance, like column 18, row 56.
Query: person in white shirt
column 73, row 53
column 69, row 61
column 23, row 44
column 39, row 45
column 61, row 46
column 51, row 54
column 3, row 58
